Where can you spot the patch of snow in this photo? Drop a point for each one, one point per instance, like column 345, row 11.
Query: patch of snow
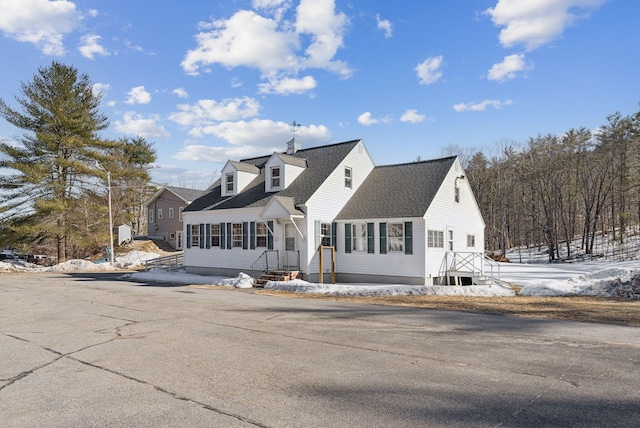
column 134, row 258
column 78, row 265
column 181, row 278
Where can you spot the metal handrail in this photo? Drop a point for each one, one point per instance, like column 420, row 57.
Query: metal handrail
column 270, row 259
column 170, row 263
column 473, row 263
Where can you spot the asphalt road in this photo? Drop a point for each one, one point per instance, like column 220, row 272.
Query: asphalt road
column 89, row 350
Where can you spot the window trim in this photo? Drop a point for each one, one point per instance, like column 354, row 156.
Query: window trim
column 195, row 235
column 229, row 182
column 348, row 177
column 215, row 233
column 170, row 212
column 180, row 209
column 398, row 239
column 236, row 235
column 159, row 213
column 260, row 236
column 359, row 239
column 435, row 238
column 276, row 180
column 471, row 240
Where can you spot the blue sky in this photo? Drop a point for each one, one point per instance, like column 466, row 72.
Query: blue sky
column 208, row 81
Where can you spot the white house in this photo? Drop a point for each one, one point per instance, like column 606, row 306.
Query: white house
column 413, row 223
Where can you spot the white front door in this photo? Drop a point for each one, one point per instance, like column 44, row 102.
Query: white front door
column 178, row 240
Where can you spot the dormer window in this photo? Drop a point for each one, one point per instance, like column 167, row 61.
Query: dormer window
column 275, row 176
column 229, row 182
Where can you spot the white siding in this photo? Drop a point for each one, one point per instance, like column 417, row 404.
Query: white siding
column 329, row 199
column 288, row 173
column 463, row 218
column 235, row 258
column 392, row 263
column 243, row 180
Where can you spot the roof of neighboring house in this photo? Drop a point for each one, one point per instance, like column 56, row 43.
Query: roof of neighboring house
column 395, row 191
column 183, row 193
column 320, row 161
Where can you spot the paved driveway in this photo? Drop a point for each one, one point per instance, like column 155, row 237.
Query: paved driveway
column 89, row 350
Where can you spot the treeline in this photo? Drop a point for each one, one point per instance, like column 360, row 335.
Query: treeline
column 55, row 177
column 556, row 188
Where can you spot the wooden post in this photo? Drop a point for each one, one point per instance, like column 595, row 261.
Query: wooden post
column 320, row 269
column 333, row 265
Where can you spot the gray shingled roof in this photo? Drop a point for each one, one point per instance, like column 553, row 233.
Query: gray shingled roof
column 321, row 161
column 245, row 167
column 186, row 194
column 395, row 191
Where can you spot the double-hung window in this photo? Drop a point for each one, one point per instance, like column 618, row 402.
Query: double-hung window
column 170, row 212
column 325, row 234
column 261, row 234
column 151, row 216
column 159, row 213
column 275, row 177
column 237, row 235
column 395, row 239
column 359, row 237
column 195, row 235
column 229, row 182
column 348, row 178
column 215, row 235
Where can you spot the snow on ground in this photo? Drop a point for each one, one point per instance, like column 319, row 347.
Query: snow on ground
column 604, row 278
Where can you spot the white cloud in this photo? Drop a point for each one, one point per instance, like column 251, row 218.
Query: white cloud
column 138, row 95
column 482, row 106
column 533, row 23
column 180, row 93
column 207, row 112
column 100, row 88
column 412, row 116
column 288, row 85
column 140, row 125
column 429, row 70
column 271, row 44
column 41, row 22
column 367, row 119
column 243, row 143
column 510, row 66
column 385, row 25
column 90, row 46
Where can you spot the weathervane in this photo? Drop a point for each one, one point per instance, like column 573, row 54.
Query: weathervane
column 294, row 128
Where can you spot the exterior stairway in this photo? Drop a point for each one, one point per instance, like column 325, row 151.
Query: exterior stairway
column 276, row 275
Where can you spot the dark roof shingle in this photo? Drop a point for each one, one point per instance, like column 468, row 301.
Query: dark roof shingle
column 396, row 191
column 320, row 161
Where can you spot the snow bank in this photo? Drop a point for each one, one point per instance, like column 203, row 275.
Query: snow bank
column 299, row 286
column 134, row 258
column 78, row 265
column 181, row 278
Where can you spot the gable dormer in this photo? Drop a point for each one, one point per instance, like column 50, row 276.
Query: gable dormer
column 280, row 171
column 235, row 176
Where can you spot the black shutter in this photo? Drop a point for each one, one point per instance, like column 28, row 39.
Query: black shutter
column 223, row 236
column 229, row 236
column 207, row 235
column 334, row 235
column 252, row 235
column 270, row 235
column 188, row 236
column 201, row 233
column 347, row 237
column 383, row 238
column 371, row 243
column 408, row 237
column 317, row 228
column 245, row 235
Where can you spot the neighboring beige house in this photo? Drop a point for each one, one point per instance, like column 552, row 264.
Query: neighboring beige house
column 164, row 213
column 413, row 223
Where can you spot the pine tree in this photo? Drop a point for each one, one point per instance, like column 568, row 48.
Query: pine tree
column 59, row 114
